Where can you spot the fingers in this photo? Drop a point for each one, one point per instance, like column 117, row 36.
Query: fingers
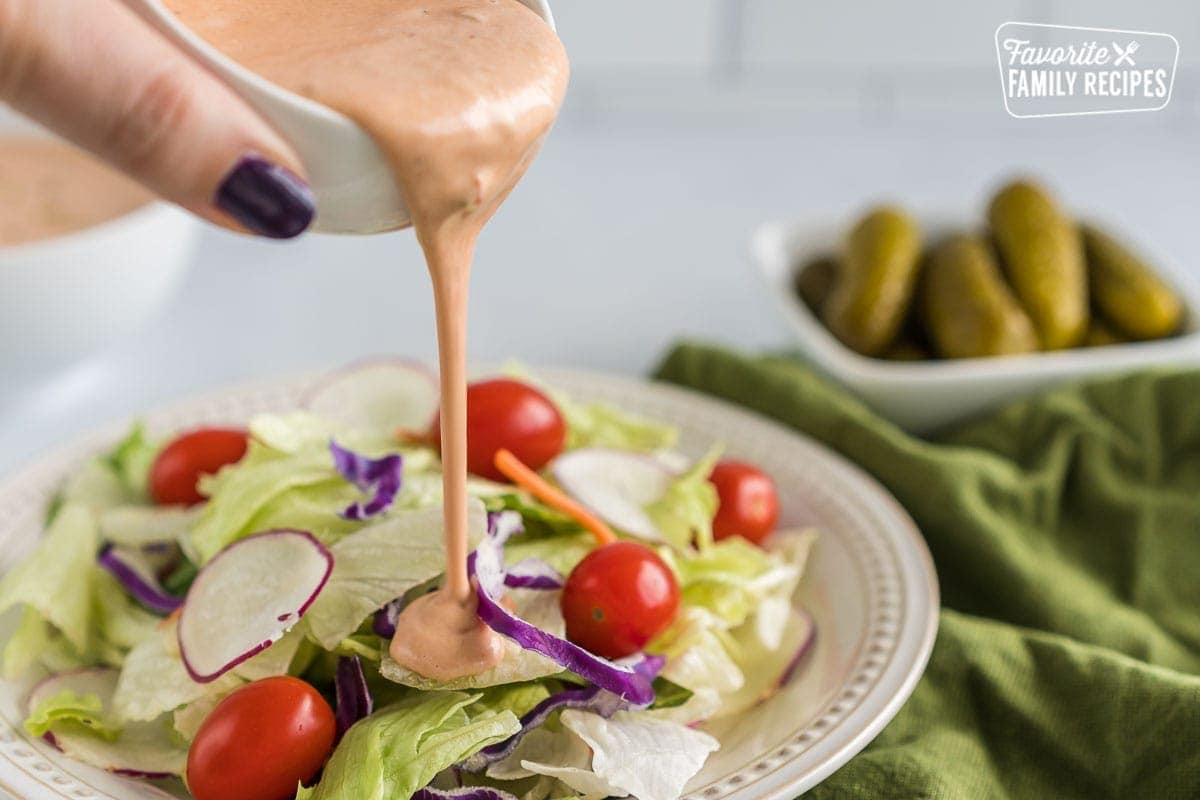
column 96, row 74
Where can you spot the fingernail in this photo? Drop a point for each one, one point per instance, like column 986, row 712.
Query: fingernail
column 268, row 199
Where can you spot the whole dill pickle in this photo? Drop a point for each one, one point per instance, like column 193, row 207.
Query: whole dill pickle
column 1043, row 257
column 907, row 349
column 814, row 280
column 1101, row 335
column 874, row 289
column 968, row 309
column 1127, row 292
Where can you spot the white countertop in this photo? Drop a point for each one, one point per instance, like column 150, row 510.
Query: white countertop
column 623, row 238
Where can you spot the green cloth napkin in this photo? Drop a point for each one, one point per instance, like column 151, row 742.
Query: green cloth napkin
column 1066, row 532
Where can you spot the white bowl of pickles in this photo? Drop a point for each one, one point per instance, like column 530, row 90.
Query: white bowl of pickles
column 933, row 319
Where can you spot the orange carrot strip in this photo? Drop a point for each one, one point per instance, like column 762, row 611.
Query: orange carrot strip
column 539, row 487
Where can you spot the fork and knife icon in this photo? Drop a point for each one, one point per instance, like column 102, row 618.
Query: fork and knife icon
column 1125, row 55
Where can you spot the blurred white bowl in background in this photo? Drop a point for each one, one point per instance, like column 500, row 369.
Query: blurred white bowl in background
column 925, row 395
column 65, row 297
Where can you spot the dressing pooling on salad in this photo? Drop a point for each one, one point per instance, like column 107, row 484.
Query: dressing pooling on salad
column 409, row 587
column 459, row 94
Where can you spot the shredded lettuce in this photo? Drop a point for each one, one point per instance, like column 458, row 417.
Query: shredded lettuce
column 630, row 754
column 380, row 563
column 403, row 747
column 143, row 526
column 75, row 710
column 685, row 513
column 120, row 621
column 731, row 578
column 539, row 520
column 132, row 458
column 560, row 552
column 737, row 629
column 67, row 706
column 56, row 581
column 267, row 490
column 153, row 680
column 603, row 425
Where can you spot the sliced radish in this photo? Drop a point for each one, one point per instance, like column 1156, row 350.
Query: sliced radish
column 616, row 485
column 248, row 597
column 379, row 395
column 142, row 750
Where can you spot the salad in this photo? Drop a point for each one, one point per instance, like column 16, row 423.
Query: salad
column 217, row 606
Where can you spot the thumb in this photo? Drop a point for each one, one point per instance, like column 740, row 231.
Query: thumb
column 95, row 73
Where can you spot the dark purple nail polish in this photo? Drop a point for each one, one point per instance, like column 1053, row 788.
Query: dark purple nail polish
column 268, row 199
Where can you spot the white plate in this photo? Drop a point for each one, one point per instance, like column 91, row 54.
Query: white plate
column 925, row 395
column 870, row 586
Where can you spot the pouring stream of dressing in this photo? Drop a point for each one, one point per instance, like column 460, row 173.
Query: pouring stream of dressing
column 459, row 94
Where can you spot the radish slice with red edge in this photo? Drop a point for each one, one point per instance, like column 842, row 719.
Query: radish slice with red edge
column 245, row 599
column 487, row 567
column 616, row 486
column 142, row 750
column 807, row 640
column 386, row 395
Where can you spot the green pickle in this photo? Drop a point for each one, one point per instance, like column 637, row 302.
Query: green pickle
column 815, row 279
column 874, row 289
column 968, row 309
column 1101, row 335
column 1043, row 258
column 1127, row 292
column 907, row 349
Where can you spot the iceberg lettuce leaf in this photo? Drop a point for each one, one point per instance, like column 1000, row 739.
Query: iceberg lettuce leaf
column 403, row 747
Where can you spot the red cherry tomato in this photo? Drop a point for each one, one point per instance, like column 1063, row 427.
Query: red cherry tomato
column 618, row 598
column 261, row 742
column 749, row 504
column 510, row 415
column 179, row 467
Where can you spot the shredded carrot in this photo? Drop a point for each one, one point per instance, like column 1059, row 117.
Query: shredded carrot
column 516, row 471
column 172, row 617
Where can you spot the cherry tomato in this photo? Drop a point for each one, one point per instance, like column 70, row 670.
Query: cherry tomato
column 508, row 414
column 261, row 742
column 179, row 467
column 749, row 504
column 618, row 598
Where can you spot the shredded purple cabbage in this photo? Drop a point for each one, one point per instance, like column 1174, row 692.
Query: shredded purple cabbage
column 139, row 581
column 805, row 646
column 384, row 623
column 488, row 569
column 379, row 477
column 462, row 793
column 587, row 698
column 533, row 573
column 354, row 700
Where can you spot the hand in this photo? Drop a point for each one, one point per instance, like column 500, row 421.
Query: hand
column 96, row 74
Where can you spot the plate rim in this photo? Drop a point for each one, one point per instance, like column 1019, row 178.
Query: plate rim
column 790, row 776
